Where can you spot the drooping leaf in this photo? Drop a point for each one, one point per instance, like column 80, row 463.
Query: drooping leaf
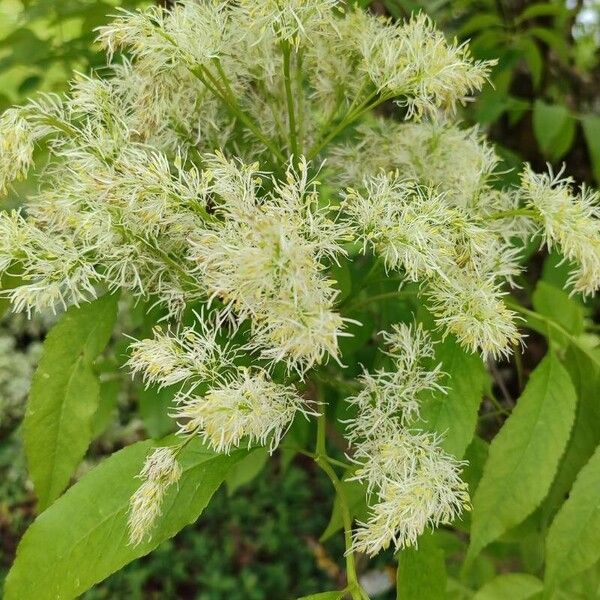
column 356, row 497
column 516, row 586
column 454, row 414
column 591, row 131
column 246, row 470
column 554, row 129
column 64, row 396
column 479, row 22
column 572, row 543
column 82, row 538
column 556, row 304
column 585, row 436
column 524, row 456
column 541, row 9
column 421, row 571
column 533, row 57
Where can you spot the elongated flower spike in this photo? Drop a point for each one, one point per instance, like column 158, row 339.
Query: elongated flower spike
column 411, row 481
column 570, row 221
column 161, row 470
column 248, row 408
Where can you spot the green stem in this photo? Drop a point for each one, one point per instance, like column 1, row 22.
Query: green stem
column 226, row 95
column 287, row 56
column 351, row 116
column 323, row 461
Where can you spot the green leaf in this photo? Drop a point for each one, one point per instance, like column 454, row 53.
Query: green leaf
column 554, row 129
column 454, row 414
column 553, row 40
column 533, row 57
column 356, row 496
column 64, row 396
column 421, row 572
column 585, row 436
column 556, row 304
column 82, row 538
column 591, row 132
column 246, row 470
column 107, row 404
column 543, row 9
column 572, row 543
column 337, row 595
column 478, row 22
column 155, row 404
column 516, row 586
column 524, row 456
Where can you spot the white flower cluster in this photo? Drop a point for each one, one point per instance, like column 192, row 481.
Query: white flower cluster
column 161, row 470
column 206, row 168
column 569, row 221
column 222, row 402
column 414, row 482
column 417, row 230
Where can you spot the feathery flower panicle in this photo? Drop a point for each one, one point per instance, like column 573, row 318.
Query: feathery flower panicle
column 571, row 222
column 292, row 21
column 414, row 483
column 469, row 305
column 418, row 486
column 299, row 335
column 264, row 260
column 457, row 162
column 192, row 355
column 192, row 33
column 389, row 396
column 248, row 408
column 16, row 147
column 414, row 61
column 404, row 223
column 160, row 471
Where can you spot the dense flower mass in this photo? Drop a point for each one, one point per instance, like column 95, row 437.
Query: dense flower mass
column 233, row 161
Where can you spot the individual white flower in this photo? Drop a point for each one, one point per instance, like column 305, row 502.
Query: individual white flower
column 249, row 408
column 160, row 471
column 571, row 222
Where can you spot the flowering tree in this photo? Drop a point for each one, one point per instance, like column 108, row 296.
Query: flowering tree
column 233, row 171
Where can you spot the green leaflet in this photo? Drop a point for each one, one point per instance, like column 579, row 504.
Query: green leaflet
column 585, row 435
column 421, row 571
column 82, row 538
column 524, row 456
column 64, row 396
column 553, row 125
column 556, row 304
column 591, row 131
column 356, row 495
column 572, row 543
column 516, row 586
column 246, row 470
column 454, row 414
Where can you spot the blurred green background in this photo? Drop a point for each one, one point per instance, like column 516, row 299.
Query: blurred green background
column 259, row 539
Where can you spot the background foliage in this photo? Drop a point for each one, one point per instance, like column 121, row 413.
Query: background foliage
column 260, row 538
